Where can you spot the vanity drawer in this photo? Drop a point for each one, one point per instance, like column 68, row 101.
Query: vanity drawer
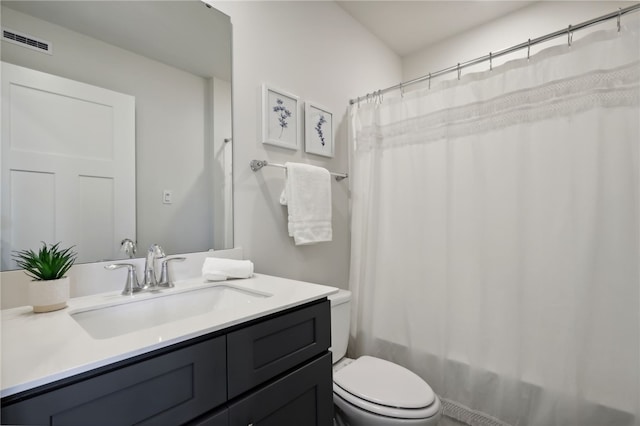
column 301, row 397
column 168, row 389
column 264, row 350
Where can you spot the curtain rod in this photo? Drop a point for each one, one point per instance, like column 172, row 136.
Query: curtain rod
column 527, row 44
column 258, row 164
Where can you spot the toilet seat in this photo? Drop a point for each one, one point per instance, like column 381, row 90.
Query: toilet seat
column 385, row 388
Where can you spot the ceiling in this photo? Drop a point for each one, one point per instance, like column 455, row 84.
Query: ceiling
column 409, row 26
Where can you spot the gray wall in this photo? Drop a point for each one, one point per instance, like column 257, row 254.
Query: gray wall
column 316, row 51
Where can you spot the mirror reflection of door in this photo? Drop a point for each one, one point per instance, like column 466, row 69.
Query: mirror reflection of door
column 174, row 57
column 68, row 165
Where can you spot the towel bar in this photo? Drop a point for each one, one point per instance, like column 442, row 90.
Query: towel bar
column 258, row 164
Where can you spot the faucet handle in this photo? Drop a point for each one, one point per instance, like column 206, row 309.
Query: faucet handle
column 131, row 286
column 165, row 280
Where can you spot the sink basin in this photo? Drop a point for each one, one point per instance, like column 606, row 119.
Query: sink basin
column 114, row 320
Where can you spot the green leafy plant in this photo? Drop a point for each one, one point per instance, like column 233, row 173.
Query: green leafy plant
column 49, row 263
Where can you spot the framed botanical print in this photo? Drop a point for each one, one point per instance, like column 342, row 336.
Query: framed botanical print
column 318, row 130
column 280, row 118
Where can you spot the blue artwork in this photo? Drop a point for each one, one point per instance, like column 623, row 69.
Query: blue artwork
column 321, row 121
column 280, row 118
column 283, row 114
column 318, row 130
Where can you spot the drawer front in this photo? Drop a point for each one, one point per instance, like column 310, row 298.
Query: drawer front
column 301, row 397
column 264, row 350
column 168, row 389
column 219, row 418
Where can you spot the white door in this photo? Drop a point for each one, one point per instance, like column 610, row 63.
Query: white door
column 68, row 165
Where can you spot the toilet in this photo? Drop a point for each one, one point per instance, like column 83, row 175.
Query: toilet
column 370, row 391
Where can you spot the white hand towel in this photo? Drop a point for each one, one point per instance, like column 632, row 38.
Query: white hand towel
column 216, row 269
column 307, row 195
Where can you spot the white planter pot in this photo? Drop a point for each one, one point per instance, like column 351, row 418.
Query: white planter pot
column 47, row 296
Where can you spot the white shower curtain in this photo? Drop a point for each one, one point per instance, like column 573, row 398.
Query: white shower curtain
column 495, row 234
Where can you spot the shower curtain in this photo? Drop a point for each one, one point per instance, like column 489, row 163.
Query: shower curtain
column 495, row 233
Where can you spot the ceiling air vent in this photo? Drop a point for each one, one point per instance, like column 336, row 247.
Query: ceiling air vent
column 27, row 41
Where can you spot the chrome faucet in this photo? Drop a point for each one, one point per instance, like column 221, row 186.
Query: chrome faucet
column 150, row 280
column 131, row 285
column 165, row 279
column 128, row 247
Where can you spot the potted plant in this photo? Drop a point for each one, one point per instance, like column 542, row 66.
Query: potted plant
column 49, row 290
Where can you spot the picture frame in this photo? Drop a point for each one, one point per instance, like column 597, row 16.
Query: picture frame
column 280, row 118
column 318, row 130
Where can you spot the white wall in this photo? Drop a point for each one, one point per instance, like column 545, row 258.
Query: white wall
column 318, row 52
column 222, row 158
column 530, row 22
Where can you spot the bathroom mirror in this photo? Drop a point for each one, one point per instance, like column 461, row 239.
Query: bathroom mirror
column 170, row 64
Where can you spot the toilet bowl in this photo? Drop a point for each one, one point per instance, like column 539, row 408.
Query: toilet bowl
column 370, row 391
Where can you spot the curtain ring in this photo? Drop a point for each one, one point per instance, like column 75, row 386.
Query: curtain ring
column 401, row 90
column 569, row 36
column 490, row 61
column 380, row 97
column 429, row 81
column 459, row 71
column 619, row 15
column 529, row 49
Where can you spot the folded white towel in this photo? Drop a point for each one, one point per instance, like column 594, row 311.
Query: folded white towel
column 307, row 194
column 216, row 269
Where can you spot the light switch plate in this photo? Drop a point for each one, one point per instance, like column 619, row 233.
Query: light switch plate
column 167, row 196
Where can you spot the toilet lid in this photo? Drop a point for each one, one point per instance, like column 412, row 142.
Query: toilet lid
column 384, row 383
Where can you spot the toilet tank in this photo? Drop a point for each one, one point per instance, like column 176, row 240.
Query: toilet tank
column 340, row 323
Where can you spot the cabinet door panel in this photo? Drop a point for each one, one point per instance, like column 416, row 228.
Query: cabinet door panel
column 168, row 389
column 302, row 397
column 267, row 349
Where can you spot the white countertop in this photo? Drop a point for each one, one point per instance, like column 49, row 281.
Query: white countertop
column 41, row 348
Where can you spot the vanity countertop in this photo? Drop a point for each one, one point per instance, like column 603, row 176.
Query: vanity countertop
column 41, row 348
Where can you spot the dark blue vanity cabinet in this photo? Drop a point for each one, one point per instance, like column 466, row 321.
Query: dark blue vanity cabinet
column 274, row 370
